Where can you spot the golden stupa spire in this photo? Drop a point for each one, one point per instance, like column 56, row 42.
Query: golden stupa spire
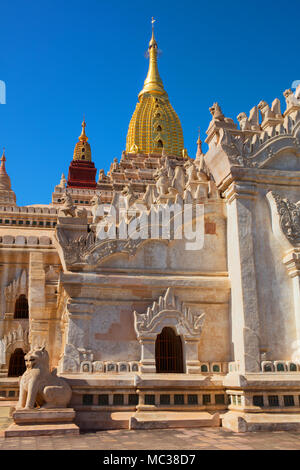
column 154, row 127
column 82, row 149
column 83, row 137
column 153, row 82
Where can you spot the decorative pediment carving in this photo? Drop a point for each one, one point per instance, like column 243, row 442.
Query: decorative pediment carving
column 256, row 144
column 88, row 249
column 17, row 287
column 235, row 148
column 288, row 216
column 14, row 335
column 168, row 311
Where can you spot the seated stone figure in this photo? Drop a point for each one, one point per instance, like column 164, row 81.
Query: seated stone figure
column 39, row 386
column 69, row 209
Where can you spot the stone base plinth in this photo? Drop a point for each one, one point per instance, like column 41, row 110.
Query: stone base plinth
column 101, row 420
column 173, row 419
column 247, row 422
column 15, row 430
column 42, row 422
column 40, row 415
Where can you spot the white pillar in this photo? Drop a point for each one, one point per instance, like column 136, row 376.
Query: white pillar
column 241, row 267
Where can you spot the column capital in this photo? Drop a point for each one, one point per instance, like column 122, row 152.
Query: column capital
column 240, row 190
column 292, row 262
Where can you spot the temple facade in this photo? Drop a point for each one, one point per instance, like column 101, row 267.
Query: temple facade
column 168, row 289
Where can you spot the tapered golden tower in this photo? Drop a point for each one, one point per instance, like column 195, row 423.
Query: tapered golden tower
column 82, row 149
column 154, row 125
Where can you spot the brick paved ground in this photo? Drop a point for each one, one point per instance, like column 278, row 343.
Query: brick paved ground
column 159, row 439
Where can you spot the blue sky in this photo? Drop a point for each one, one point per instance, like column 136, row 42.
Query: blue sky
column 61, row 60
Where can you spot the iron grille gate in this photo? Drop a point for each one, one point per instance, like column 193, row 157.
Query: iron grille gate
column 168, row 352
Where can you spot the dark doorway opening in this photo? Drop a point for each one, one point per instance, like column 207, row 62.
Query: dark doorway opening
column 168, row 352
column 17, row 365
column 21, row 307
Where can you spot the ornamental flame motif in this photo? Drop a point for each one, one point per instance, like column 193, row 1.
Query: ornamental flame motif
column 289, row 214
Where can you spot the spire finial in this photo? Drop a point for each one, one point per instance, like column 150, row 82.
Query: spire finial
column 199, row 140
column 63, row 181
column 153, row 82
column 3, row 160
column 152, row 41
column 152, row 22
column 199, row 145
column 4, row 178
column 83, row 137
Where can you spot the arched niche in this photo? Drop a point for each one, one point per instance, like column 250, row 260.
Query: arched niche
column 21, row 307
column 169, row 312
column 168, row 352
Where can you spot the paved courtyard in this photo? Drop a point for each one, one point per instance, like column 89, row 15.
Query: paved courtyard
column 159, row 439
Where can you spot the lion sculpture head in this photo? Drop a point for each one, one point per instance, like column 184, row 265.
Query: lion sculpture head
column 37, row 358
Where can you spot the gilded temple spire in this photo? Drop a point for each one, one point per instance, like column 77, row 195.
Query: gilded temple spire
column 83, row 137
column 154, row 127
column 82, row 171
column 82, row 149
column 153, row 82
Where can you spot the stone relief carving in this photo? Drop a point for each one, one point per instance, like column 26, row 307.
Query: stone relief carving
column 39, row 386
column 8, row 340
column 254, row 151
column 256, row 143
column 234, row 146
column 88, row 249
column 86, row 367
column 73, row 359
column 289, row 218
column 52, row 274
column 17, row 287
column 98, row 367
column 168, row 311
column 173, row 181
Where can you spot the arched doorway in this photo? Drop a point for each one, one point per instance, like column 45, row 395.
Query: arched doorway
column 17, row 365
column 168, row 352
column 21, row 307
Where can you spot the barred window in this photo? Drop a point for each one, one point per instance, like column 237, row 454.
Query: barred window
column 258, row 400
column 21, row 307
column 288, row 400
column 168, row 352
column 273, row 400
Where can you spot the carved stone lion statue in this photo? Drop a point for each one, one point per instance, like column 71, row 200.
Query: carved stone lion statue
column 216, row 112
column 39, row 386
column 70, row 209
column 244, row 122
column 265, row 110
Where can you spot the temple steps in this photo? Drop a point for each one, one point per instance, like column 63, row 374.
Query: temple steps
column 173, row 419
